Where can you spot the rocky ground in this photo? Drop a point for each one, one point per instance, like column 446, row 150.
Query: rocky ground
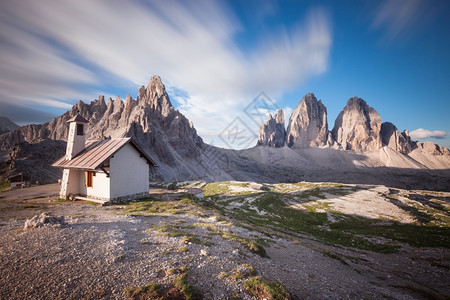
column 219, row 246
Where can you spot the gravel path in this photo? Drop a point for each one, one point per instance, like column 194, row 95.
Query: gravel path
column 99, row 253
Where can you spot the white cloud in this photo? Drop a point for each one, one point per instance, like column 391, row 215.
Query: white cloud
column 424, row 133
column 54, row 51
column 287, row 114
column 397, row 16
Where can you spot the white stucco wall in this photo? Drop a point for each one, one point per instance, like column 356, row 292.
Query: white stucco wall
column 100, row 186
column 81, row 187
column 70, row 182
column 129, row 173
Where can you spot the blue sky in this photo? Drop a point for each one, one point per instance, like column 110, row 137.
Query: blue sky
column 216, row 57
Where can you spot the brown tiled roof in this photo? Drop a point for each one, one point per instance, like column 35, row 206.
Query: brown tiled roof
column 77, row 118
column 97, row 152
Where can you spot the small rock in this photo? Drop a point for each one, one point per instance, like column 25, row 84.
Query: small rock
column 44, row 220
column 203, row 252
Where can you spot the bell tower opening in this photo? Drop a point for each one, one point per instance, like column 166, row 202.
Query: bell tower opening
column 80, row 129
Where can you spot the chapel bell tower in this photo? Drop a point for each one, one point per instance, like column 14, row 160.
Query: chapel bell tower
column 77, row 137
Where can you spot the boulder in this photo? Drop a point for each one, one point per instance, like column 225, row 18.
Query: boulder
column 44, row 220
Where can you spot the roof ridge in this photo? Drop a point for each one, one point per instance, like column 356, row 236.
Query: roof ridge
column 97, row 152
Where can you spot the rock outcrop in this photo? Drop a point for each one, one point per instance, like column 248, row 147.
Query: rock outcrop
column 358, row 126
column 273, row 132
column 432, row 148
column 308, row 125
column 399, row 141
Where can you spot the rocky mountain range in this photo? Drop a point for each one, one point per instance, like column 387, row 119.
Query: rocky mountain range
column 306, row 150
column 164, row 132
column 358, row 127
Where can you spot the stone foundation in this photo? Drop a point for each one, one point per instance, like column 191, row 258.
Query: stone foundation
column 129, row 198
column 123, row 199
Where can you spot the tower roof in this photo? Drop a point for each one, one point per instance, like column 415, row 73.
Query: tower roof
column 77, row 118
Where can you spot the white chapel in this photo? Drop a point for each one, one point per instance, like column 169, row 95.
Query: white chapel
column 111, row 170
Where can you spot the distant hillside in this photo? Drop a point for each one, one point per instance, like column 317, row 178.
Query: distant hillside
column 6, row 125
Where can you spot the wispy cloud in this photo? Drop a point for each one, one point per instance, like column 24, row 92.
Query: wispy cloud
column 396, row 17
column 424, row 133
column 56, row 51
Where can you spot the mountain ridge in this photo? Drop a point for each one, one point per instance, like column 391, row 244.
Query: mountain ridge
column 358, row 127
column 172, row 141
column 6, row 125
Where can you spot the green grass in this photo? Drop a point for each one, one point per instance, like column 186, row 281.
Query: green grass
column 263, row 289
column 250, row 244
column 171, row 231
column 93, row 203
column 308, row 194
column 154, row 291
column 172, row 186
column 62, row 200
column 189, row 292
column 149, row 206
column 182, row 249
column 4, row 185
column 216, row 188
column 149, row 291
column 254, row 245
column 269, row 213
column 243, row 271
column 175, row 231
column 314, row 206
column 302, row 186
column 293, row 221
column 210, row 227
column 414, row 235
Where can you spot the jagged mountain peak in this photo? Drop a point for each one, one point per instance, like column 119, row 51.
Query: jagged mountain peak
column 162, row 131
column 279, row 117
column 308, row 126
column 358, row 126
column 155, row 97
column 309, row 97
column 128, row 98
column 355, row 100
column 273, row 133
column 394, row 139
